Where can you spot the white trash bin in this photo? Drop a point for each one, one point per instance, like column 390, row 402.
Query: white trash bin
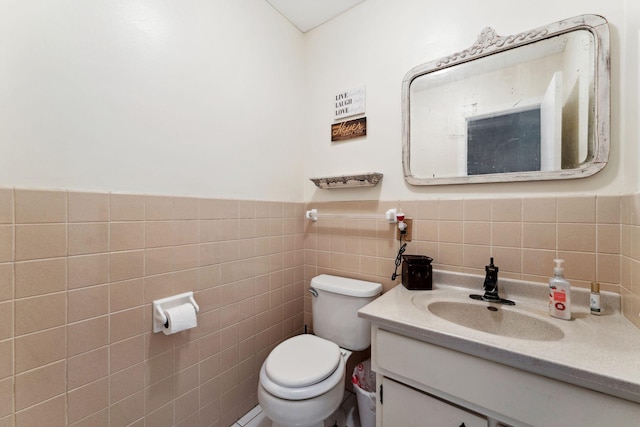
column 364, row 385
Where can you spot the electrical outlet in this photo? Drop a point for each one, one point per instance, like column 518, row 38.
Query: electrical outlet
column 406, row 237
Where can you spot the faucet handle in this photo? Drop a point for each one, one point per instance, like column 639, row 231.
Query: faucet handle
column 491, row 267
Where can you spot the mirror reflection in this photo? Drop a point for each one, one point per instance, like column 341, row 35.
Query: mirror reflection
column 533, row 109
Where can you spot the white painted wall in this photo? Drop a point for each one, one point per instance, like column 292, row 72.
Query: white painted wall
column 194, row 97
column 227, row 99
column 378, row 41
column 630, row 92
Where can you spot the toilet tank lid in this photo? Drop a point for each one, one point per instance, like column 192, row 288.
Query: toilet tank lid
column 346, row 286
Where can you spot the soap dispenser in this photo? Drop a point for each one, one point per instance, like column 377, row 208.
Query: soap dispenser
column 559, row 293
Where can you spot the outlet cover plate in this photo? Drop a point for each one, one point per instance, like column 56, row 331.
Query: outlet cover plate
column 406, row 237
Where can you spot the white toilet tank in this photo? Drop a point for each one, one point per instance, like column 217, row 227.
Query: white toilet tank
column 335, row 310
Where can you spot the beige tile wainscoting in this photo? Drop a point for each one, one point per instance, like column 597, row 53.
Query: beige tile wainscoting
column 78, row 272
column 598, row 237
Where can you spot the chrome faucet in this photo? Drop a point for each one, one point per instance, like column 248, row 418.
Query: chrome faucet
column 490, row 286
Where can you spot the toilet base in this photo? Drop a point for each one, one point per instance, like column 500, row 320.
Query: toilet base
column 275, row 424
column 301, row 413
column 338, row 418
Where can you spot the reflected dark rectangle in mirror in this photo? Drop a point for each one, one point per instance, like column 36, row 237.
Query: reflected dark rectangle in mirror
column 504, row 143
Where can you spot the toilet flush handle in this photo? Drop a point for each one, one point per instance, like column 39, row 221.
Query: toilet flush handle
column 313, row 292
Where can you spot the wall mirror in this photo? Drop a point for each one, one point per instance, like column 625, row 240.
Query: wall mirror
column 531, row 106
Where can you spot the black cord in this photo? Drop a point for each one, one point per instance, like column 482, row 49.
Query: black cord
column 398, row 259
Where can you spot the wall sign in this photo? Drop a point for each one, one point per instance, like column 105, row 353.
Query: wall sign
column 350, row 129
column 350, row 102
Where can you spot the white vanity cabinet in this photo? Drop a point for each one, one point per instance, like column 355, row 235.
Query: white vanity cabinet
column 407, row 407
column 428, row 385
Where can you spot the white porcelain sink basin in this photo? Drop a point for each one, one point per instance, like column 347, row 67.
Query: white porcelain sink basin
column 494, row 319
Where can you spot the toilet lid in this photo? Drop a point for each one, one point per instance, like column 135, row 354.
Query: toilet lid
column 302, row 361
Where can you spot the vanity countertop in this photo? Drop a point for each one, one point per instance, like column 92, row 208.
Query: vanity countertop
column 601, row 353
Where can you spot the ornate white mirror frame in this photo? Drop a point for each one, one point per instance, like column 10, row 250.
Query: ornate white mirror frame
column 489, row 44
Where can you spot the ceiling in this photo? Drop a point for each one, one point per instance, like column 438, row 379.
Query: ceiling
column 308, row 14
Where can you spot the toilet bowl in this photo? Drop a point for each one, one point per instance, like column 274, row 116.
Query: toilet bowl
column 302, row 380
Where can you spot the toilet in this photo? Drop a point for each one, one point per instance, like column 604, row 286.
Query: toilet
column 302, row 380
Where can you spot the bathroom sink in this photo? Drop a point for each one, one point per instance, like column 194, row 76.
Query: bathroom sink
column 497, row 320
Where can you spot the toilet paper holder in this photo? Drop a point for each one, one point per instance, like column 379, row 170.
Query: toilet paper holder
column 160, row 320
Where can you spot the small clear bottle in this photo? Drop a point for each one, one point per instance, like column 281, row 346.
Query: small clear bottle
column 594, row 299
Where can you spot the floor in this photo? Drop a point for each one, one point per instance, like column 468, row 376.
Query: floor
column 255, row 417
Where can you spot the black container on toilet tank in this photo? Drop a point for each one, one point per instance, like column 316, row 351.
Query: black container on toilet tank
column 417, row 272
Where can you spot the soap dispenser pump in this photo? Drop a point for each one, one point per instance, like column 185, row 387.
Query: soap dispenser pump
column 559, row 293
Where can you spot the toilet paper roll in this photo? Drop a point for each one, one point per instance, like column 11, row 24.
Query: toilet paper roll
column 180, row 318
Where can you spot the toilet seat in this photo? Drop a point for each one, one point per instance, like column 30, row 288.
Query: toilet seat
column 302, row 367
column 302, row 360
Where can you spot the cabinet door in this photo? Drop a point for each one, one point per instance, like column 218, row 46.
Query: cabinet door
column 407, row 407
